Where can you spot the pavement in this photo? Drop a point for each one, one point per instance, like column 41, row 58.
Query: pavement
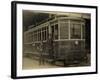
column 29, row 63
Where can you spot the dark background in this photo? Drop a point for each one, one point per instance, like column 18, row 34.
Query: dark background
column 32, row 18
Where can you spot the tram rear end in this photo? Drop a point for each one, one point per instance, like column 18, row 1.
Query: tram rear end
column 70, row 52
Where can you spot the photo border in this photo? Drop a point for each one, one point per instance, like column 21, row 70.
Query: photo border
column 14, row 38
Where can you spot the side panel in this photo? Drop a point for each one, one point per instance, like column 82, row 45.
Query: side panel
column 70, row 51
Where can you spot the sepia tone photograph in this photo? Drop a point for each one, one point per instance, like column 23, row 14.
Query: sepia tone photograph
column 54, row 39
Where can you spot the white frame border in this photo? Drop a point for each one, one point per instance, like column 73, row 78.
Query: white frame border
column 91, row 68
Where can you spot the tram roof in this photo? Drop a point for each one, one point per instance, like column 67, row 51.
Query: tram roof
column 52, row 20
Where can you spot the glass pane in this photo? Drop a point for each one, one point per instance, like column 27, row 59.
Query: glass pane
column 47, row 32
column 30, row 36
column 52, row 28
column 56, row 31
column 83, row 30
column 36, row 36
column 75, row 31
column 45, row 35
column 64, row 30
column 40, row 34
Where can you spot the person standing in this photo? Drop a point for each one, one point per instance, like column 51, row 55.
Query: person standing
column 41, row 54
column 50, row 48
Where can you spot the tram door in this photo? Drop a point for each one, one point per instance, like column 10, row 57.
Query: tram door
column 54, row 31
column 50, row 43
column 54, row 37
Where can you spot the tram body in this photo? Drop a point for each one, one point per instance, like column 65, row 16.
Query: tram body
column 63, row 39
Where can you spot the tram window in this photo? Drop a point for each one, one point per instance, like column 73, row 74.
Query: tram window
column 75, row 31
column 83, row 31
column 39, row 35
column 33, row 36
column 44, row 33
column 30, row 36
column 44, row 28
column 47, row 32
column 36, row 36
column 56, row 32
column 64, row 30
column 52, row 27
